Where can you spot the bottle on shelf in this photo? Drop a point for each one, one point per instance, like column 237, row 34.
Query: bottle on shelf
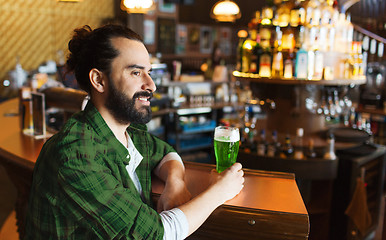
column 289, row 65
column 265, row 43
column 298, row 149
column 265, row 62
column 262, row 144
column 255, row 58
column 242, row 34
column 300, row 36
column 301, row 64
column 273, row 148
column 330, row 151
column 283, row 14
column 287, row 150
column 310, row 64
column 277, row 63
column 295, row 14
column 311, row 149
column 318, row 65
column 288, row 39
column 248, row 46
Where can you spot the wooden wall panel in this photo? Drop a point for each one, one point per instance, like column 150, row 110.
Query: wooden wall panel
column 36, row 29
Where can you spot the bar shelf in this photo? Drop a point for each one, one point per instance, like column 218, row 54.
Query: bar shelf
column 294, row 81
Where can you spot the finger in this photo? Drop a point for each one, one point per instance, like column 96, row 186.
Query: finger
column 236, row 166
column 242, row 180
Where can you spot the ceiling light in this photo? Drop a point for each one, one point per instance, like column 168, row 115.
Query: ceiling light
column 225, row 11
column 137, row 6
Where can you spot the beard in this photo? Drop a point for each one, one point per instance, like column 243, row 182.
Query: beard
column 123, row 108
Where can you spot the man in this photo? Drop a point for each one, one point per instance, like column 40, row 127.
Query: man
column 93, row 178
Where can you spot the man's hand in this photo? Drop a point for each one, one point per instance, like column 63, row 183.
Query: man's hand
column 229, row 183
column 174, row 194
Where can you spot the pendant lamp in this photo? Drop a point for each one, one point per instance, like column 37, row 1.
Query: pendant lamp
column 225, row 11
column 137, row 6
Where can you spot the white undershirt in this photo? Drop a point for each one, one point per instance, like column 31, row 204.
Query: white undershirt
column 174, row 221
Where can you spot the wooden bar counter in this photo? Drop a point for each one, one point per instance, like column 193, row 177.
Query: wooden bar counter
column 269, row 207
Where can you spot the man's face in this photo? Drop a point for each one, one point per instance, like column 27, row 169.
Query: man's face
column 130, row 86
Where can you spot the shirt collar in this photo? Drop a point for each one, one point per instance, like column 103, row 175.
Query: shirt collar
column 96, row 121
column 101, row 128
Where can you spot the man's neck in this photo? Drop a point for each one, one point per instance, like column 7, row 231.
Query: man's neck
column 117, row 128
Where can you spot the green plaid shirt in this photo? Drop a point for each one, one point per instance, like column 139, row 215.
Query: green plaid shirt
column 81, row 188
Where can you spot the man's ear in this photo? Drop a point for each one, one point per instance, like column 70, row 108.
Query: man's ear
column 97, row 79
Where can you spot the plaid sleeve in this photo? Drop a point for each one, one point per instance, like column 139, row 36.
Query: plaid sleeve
column 95, row 197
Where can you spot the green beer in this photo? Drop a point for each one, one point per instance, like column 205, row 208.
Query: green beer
column 226, row 147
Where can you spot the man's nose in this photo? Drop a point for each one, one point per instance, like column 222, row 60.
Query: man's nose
column 149, row 84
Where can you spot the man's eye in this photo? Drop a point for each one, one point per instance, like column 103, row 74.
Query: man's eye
column 137, row 73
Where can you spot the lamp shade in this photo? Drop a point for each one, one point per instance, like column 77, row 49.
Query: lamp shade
column 225, row 11
column 137, row 6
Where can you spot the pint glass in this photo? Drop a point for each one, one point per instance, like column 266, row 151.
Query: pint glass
column 226, row 146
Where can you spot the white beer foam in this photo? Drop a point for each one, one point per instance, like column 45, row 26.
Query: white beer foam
column 224, row 135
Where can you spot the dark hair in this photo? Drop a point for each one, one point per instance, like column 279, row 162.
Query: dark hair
column 93, row 49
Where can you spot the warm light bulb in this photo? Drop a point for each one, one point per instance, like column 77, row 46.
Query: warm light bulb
column 226, row 8
column 136, row 6
column 242, row 34
column 225, row 11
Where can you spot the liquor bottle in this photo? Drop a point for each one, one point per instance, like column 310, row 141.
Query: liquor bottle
column 282, row 16
column 311, row 149
column 265, row 35
column 288, row 41
column 302, row 11
column 360, row 60
column 289, row 65
column 242, row 34
column 330, row 151
column 295, row 14
column 277, row 63
column 327, row 11
column 300, row 37
column 262, row 144
column 267, row 15
column 287, row 149
column 274, row 146
column 255, row 58
column 301, row 65
column 318, row 65
column 265, row 63
column 313, row 12
column 310, row 64
column 248, row 143
column 248, row 45
column 330, row 36
column 298, row 152
column 310, row 34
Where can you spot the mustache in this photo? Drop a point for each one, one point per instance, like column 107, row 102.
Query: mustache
column 143, row 94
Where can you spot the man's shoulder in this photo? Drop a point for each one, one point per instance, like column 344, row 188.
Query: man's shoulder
column 76, row 132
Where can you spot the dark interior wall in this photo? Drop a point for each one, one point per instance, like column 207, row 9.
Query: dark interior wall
column 370, row 14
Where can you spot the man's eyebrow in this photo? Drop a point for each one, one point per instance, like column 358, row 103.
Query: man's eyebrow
column 138, row 66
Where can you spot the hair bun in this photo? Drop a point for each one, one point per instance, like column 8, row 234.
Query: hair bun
column 76, row 45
